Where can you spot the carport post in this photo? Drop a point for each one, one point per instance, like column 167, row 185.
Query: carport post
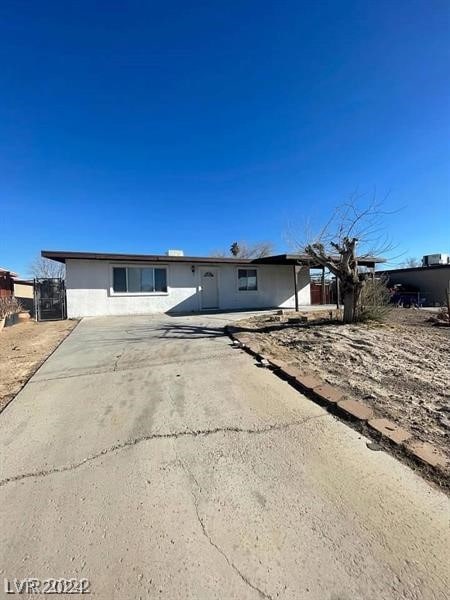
column 35, row 300
column 294, row 270
column 323, row 285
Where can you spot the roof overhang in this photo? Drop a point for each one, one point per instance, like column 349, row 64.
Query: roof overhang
column 279, row 259
column 23, row 281
column 62, row 256
column 306, row 260
column 7, row 272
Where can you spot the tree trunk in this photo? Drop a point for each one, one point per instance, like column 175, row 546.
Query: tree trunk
column 349, row 307
column 357, row 292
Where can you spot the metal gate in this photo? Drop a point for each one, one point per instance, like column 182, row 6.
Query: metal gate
column 50, row 299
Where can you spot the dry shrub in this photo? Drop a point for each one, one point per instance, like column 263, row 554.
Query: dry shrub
column 374, row 303
column 443, row 315
column 9, row 306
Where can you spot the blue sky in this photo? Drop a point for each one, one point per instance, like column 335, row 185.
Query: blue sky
column 143, row 126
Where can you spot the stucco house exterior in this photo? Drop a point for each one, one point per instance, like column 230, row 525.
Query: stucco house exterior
column 126, row 284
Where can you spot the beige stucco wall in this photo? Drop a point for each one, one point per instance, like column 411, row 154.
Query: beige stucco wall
column 23, row 291
column 25, row 294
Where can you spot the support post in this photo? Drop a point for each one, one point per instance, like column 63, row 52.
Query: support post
column 294, row 270
column 35, row 298
column 338, row 292
column 323, row 286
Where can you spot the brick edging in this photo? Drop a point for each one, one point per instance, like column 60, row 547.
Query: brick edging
column 337, row 401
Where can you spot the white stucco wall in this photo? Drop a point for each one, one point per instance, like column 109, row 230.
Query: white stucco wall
column 89, row 290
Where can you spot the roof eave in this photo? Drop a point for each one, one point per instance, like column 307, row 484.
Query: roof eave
column 62, row 256
column 278, row 259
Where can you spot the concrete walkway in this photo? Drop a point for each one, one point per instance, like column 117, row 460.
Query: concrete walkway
column 151, row 458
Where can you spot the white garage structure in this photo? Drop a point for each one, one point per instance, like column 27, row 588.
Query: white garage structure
column 129, row 284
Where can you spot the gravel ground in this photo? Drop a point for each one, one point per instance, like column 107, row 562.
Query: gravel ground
column 401, row 368
column 23, row 348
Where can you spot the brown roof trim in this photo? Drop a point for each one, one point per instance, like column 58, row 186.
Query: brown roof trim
column 279, row 259
column 11, row 273
column 23, row 281
column 62, row 256
column 305, row 259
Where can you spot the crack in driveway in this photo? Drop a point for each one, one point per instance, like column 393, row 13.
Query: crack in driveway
column 230, row 563
column 116, row 368
column 158, row 436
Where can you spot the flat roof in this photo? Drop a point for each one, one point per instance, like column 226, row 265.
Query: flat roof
column 23, row 281
column 62, row 256
column 412, row 269
column 305, row 259
column 278, row 259
column 11, row 273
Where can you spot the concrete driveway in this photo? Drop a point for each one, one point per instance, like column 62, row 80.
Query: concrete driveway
column 151, row 458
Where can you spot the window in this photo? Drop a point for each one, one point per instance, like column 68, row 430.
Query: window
column 247, row 280
column 138, row 280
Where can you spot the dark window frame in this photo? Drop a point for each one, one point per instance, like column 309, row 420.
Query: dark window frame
column 247, row 276
column 155, row 278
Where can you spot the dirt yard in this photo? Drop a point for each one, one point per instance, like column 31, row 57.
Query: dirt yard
column 23, row 348
column 400, row 368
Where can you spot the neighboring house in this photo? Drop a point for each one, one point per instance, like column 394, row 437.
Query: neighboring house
column 430, row 282
column 6, row 282
column 22, row 289
column 125, row 284
column 24, row 292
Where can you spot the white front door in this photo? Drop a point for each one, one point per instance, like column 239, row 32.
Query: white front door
column 209, row 288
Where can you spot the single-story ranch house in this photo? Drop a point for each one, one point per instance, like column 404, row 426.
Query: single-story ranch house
column 125, row 284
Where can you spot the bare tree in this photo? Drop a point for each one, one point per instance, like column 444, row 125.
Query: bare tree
column 257, row 250
column 351, row 234
column 245, row 250
column 46, row 268
column 411, row 262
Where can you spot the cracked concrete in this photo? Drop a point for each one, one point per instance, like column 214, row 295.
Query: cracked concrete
column 156, row 436
column 229, row 562
column 152, row 458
